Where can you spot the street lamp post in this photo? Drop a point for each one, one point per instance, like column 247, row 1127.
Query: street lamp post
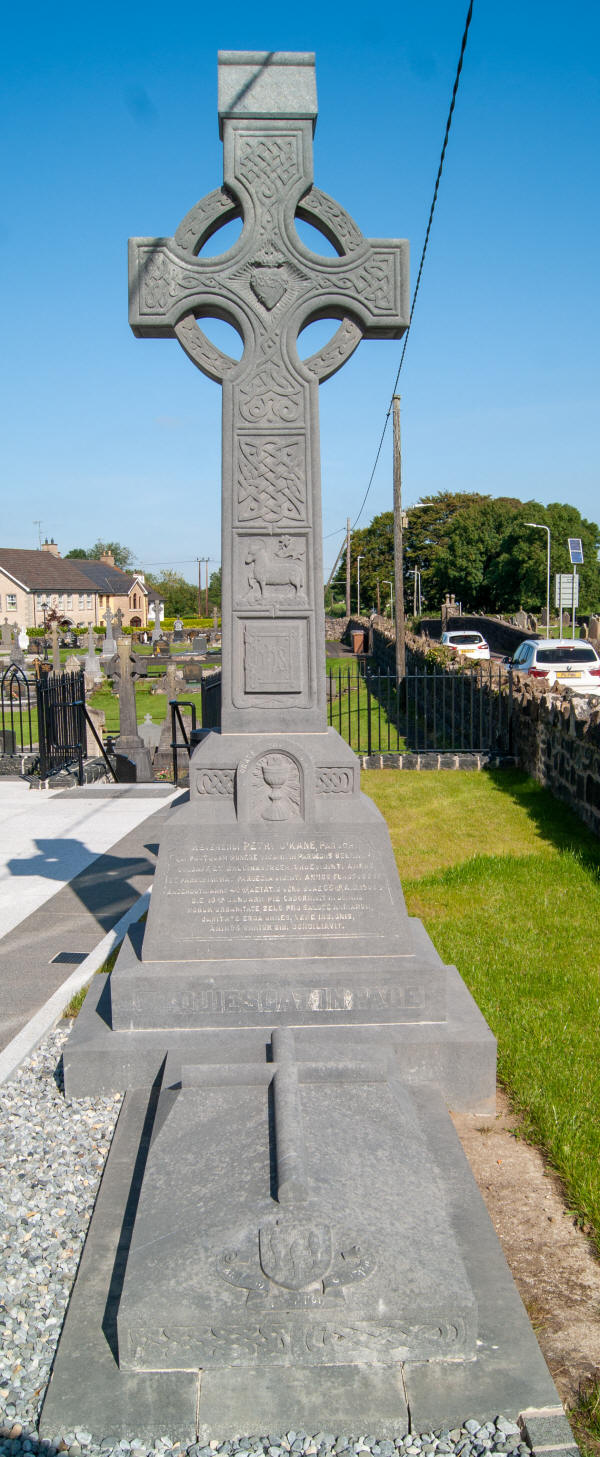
column 540, row 526
column 44, row 610
column 359, row 559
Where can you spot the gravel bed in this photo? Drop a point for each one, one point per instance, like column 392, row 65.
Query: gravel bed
column 52, row 1153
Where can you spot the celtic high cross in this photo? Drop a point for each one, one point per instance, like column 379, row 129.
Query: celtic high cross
column 269, row 286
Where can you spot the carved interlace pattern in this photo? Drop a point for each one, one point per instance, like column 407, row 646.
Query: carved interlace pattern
column 267, row 164
column 334, row 781
column 373, row 282
column 271, row 485
column 200, row 350
column 216, row 781
column 166, row 281
column 270, row 397
column 337, row 220
column 195, row 223
column 345, row 340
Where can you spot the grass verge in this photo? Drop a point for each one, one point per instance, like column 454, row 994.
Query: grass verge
column 507, row 882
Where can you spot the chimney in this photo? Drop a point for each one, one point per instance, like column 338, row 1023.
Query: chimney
column 51, row 547
column 108, row 559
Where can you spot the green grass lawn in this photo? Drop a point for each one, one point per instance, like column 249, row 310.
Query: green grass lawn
column 506, row 880
column 156, row 704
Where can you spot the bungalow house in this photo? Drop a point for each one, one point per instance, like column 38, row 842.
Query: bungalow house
column 117, row 589
column 34, row 583
column 79, row 590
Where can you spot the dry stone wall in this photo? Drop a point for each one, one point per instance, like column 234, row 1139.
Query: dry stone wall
column 555, row 736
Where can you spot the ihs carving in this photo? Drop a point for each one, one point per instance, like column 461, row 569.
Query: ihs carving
column 271, row 479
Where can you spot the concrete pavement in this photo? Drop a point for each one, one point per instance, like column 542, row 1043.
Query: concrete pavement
column 72, row 862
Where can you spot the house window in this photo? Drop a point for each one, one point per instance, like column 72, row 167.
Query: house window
column 11, row 601
column 61, row 601
column 90, row 600
column 81, row 601
column 135, row 599
column 69, row 603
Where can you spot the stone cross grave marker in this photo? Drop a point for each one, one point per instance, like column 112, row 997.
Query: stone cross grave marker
column 269, row 285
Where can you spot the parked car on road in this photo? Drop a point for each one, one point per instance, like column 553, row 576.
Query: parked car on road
column 468, row 644
column 559, row 660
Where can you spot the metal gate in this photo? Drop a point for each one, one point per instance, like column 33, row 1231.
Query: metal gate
column 61, row 722
column 16, row 734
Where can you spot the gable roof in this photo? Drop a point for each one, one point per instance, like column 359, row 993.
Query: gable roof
column 40, row 571
column 111, row 581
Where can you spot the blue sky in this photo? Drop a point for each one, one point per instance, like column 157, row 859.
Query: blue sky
column 110, row 127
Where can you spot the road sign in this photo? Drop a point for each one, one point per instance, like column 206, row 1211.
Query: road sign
column 575, row 551
column 563, row 589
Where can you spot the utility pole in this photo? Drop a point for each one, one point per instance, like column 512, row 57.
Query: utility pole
column 348, row 567
column 398, row 546
column 200, row 560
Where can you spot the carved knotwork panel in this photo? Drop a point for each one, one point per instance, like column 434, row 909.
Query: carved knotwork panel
column 267, row 164
column 335, row 781
column 216, row 782
column 271, row 480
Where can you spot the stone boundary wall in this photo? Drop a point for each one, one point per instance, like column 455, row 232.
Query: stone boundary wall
column 501, row 636
column 555, row 736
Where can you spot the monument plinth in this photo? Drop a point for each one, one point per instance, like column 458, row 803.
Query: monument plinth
column 286, row 1233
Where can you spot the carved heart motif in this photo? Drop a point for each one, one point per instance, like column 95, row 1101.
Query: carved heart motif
column 268, row 285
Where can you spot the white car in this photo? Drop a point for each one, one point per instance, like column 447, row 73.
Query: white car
column 561, row 660
column 468, row 644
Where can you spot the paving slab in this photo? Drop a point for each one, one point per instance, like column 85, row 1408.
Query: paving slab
column 44, row 939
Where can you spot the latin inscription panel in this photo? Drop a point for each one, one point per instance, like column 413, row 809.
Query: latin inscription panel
column 276, row 891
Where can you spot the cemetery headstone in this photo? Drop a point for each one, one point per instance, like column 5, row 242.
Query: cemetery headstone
column 149, row 733
column 156, row 632
column 305, row 1225
column 544, row 618
column 72, row 664
column 16, row 652
column 566, row 619
column 594, row 628
column 177, row 630
column 91, row 665
column 199, row 643
column 521, row 620
column 109, row 649
column 129, row 742
column 6, row 636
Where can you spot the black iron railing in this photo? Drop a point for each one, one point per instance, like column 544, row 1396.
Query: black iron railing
column 431, row 709
column 16, row 734
column 61, row 722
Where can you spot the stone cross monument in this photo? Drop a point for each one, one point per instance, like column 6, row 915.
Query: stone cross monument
column 286, row 1033
column 269, row 286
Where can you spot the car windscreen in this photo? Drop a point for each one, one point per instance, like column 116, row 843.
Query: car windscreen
column 575, row 655
column 464, row 639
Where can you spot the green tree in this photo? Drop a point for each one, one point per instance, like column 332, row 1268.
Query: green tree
column 214, row 588
column 180, row 596
column 123, row 557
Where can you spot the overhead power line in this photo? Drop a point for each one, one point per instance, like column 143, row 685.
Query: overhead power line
column 425, row 246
